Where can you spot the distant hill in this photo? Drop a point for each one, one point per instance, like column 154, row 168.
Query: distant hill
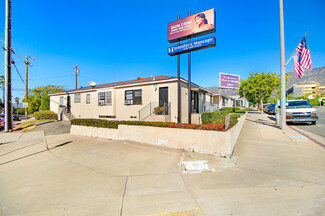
column 314, row 75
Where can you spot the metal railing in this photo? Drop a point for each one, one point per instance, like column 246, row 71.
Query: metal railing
column 153, row 108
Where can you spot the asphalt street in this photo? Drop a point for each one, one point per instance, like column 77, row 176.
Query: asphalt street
column 319, row 128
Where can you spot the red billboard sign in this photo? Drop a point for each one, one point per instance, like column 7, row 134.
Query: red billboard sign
column 192, row 26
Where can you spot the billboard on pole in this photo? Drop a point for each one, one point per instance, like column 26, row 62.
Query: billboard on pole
column 228, row 80
column 192, row 26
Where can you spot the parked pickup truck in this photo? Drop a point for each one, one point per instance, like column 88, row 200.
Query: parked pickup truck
column 300, row 111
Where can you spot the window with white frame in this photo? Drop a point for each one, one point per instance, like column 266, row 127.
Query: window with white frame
column 77, row 98
column 105, row 98
column 133, row 97
column 87, row 98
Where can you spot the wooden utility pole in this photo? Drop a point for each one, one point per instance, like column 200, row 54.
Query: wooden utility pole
column 28, row 63
column 77, row 71
column 8, row 107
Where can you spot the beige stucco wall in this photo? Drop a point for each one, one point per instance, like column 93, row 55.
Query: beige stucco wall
column 211, row 142
column 150, row 93
column 92, row 110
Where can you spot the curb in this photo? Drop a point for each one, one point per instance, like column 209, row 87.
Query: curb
column 312, row 139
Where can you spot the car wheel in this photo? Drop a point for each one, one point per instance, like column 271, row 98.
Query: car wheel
column 313, row 123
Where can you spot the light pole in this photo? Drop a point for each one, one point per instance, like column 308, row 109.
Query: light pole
column 282, row 66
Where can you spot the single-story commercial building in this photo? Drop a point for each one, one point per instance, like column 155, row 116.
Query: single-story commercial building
column 143, row 99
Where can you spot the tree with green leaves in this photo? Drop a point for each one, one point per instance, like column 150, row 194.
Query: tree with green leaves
column 39, row 99
column 258, row 87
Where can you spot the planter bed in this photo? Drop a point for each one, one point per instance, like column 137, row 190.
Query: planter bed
column 203, row 141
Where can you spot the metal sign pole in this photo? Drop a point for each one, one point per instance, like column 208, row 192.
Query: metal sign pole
column 179, row 120
column 189, row 83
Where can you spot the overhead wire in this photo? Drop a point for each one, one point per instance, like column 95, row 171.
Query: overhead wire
column 13, row 62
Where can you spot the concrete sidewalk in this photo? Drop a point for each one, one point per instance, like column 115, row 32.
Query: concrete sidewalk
column 270, row 173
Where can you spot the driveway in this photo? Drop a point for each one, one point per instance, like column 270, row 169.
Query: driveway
column 54, row 127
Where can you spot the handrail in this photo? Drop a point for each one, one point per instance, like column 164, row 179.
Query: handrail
column 151, row 109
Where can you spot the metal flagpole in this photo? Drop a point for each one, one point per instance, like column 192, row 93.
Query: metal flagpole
column 282, row 66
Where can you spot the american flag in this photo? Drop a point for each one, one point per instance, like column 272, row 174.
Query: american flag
column 302, row 58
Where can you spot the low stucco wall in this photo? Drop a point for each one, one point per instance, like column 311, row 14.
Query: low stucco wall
column 203, row 141
column 105, row 133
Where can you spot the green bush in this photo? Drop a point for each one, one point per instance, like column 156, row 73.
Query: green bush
column 314, row 101
column 41, row 115
column 217, row 124
column 240, row 111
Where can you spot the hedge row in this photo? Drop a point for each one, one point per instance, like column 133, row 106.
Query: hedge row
column 114, row 124
column 40, row 115
column 217, row 125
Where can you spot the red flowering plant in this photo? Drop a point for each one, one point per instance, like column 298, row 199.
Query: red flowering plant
column 182, row 125
column 212, row 126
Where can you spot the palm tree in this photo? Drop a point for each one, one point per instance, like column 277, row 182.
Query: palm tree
column 2, row 81
column 17, row 102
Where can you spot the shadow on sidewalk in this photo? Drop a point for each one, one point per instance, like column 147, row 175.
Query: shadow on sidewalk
column 263, row 122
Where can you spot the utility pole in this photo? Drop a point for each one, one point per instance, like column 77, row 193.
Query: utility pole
column 28, row 63
column 282, row 66
column 77, row 71
column 8, row 107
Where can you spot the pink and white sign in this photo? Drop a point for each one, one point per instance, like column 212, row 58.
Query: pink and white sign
column 229, row 80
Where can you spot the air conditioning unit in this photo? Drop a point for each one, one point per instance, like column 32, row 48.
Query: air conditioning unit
column 128, row 102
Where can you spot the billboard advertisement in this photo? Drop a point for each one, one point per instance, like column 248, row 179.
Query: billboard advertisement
column 192, row 26
column 229, row 80
column 192, row 46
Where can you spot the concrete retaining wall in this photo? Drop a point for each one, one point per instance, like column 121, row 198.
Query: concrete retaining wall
column 203, row 141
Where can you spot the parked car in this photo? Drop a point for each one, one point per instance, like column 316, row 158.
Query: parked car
column 301, row 111
column 270, row 109
column 16, row 118
column 265, row 107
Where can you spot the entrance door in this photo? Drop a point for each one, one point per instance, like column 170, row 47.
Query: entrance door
column 163, row 98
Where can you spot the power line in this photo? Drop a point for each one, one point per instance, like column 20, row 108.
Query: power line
column 13, row 62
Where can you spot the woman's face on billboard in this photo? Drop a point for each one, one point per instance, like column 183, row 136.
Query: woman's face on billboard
column 198, row 20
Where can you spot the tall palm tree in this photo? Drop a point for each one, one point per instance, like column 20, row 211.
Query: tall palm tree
column 17, row 102
column 2, row 81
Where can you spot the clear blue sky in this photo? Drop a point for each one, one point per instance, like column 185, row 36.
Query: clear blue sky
column 122, row 40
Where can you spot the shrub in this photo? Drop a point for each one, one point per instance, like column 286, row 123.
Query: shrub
column 240, row 111
column 212, row 121
column 314, row 101
column 41, row 115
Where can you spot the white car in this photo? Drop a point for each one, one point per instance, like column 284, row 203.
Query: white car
column 300, row 111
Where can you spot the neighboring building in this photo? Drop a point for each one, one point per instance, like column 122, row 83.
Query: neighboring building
column 144, row 99
column 230, row 97
column 321, row 89
column 300, row 90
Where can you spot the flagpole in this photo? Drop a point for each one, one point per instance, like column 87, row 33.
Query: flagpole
column 282, row 66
